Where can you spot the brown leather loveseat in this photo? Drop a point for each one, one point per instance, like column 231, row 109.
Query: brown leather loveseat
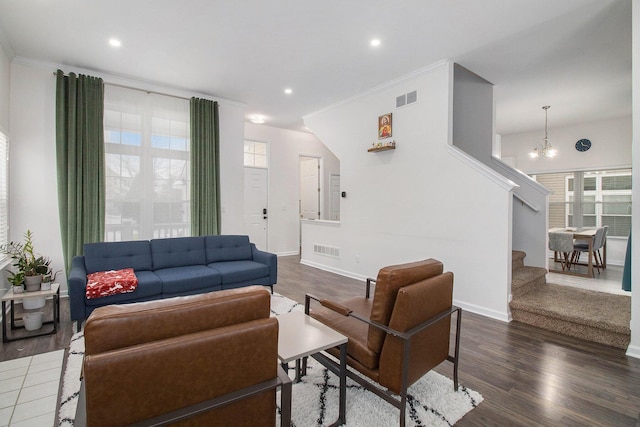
column 208, row 359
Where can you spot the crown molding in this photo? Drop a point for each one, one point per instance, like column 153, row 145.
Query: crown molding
column 128, row 81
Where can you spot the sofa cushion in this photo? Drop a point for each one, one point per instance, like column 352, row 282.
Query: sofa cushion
column 240, row 271
column 182, row 280
column 177, row 252
column 149, row 287
column 227, row 248
column 104, row 256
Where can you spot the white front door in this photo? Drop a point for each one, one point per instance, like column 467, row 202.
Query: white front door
column 309, row 187
column 255, row 206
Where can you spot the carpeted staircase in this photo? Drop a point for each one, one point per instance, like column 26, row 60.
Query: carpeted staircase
column 593, row 316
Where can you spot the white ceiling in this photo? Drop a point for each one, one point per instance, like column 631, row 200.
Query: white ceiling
column 574, row 55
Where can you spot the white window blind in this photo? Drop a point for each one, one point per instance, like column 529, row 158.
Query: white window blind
column 605, row 199
column 147, row 165
column 4, row 190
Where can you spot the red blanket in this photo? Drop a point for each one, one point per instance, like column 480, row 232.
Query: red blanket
column 105, row 283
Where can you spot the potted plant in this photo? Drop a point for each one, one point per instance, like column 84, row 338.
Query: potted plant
column 16, row 280
column 48, row 279
column 31, row 265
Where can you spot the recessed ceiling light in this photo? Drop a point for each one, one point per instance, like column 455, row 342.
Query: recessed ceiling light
column 257, row 119
column 288, row 91
column 114, row 43
column 375, row 42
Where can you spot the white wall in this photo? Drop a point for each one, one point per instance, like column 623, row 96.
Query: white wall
column 285, row 149
column 634, row 346
column 33, row 191
column 422, row 200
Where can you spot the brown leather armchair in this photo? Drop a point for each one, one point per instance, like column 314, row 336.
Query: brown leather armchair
column 399, row 335
column 208, row 359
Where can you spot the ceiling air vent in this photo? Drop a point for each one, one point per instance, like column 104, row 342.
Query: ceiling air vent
column 401, row 100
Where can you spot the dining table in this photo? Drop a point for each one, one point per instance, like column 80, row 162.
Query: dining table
column 586, row 234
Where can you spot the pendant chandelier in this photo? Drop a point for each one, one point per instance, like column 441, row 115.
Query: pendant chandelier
column 546, row 148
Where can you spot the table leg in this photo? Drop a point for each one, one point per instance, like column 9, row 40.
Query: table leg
column 4, row 321
column 591, row 258
column 342, row 416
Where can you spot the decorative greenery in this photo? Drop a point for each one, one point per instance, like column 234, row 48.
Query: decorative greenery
column 25, row 260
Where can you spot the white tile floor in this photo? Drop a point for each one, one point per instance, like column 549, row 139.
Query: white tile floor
column 29, row 390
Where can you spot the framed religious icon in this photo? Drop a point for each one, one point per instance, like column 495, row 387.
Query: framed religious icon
column 384, row 126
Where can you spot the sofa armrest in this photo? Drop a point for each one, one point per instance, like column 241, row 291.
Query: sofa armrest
column 77, row 283
column 266, row 258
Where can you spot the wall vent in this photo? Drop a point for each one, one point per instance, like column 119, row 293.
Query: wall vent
column 406, row 99
column 325, row 250
column 412, row 97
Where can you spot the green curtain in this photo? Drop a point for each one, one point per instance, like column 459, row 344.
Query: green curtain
column 80, row 161
column 205, row 168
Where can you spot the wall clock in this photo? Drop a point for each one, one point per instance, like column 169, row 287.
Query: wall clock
column 583, row 145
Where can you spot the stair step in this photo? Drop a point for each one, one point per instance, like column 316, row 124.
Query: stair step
column 517, row 259
column 576, row 312
column 525, row 279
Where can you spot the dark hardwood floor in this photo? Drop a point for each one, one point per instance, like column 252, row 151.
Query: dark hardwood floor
column 527, row 376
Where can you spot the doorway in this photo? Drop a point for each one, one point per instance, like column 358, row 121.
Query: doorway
column 309, row 187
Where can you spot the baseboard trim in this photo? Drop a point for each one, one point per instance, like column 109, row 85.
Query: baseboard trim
column 333, row 270
column 482, row 311
column 633, row 351
column 287, row 253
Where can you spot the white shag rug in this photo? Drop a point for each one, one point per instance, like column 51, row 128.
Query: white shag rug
column 431, row 400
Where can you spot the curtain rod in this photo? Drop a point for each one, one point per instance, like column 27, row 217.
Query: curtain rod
column 141, row 90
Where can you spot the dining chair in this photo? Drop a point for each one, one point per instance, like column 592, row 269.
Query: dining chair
column 598, row 243
column 561, row 241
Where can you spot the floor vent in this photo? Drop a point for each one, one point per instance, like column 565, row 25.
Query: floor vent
column 326, row 250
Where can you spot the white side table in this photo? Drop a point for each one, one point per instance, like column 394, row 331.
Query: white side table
column 301, row 336
column 12, row 297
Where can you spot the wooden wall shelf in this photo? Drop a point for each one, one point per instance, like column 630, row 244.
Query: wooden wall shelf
column 383, row 148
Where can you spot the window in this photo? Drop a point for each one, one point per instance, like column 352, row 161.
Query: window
column 4, row 189
column 147, row 165
column 605, row 199
column 255, row 154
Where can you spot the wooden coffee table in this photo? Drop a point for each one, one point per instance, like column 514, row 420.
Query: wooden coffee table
column 301, row 336
column 12, row 297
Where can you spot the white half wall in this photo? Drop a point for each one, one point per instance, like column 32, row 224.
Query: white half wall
column 285, row 149
column 425, row 199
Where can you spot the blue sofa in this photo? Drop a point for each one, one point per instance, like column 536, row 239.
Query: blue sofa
column 171, row 267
